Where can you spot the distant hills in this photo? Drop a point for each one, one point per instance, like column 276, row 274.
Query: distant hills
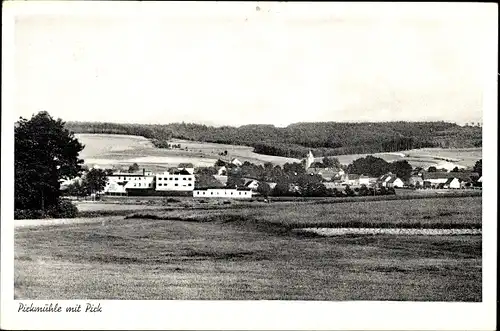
column 295, row 140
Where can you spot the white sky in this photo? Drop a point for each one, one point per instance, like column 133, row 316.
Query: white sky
column 235, row 65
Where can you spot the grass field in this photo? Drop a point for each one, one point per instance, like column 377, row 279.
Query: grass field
column 246, row 253
column 109, row 149
column 439, row 157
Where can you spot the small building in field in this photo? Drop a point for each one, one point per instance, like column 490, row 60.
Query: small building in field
column 234, row 193
column 452, row 183
column 236, row 162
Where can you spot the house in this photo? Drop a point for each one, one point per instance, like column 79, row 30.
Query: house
column 394, row 182
column 123, row 183
column 236, row 162
column 252, row 184
column 452, row 183
column 389, row 180
column 364, row 180
column 177, row 180
column 235, row 193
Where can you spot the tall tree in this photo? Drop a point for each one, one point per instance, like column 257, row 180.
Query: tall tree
column 331, row 162
column 402, row 169
column 133, row 168
column 95, row 180
column 478, row 167
column 44, row 153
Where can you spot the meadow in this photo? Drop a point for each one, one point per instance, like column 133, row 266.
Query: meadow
column 447, row 158
column 108, row 149
column 237, row 252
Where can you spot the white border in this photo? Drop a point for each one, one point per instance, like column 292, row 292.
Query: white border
column 258, row 315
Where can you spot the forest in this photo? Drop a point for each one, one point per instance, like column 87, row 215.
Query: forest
column 295, row 140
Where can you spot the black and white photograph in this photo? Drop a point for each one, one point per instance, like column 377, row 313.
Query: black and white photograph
column 254, row 153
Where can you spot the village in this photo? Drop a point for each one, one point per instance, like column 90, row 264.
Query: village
column 232, row 179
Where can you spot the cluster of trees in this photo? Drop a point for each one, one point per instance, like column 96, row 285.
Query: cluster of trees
column 295, row 140
column 375, row 167
column 92, row 182
column 44, row 153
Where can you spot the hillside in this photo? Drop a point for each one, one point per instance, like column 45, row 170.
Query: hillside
column 324, row 138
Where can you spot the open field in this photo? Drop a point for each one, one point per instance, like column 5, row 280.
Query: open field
column 108, row 149
column 252, row 253
column 438, row 157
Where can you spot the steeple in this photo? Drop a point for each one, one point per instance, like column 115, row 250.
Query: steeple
column 309, row 159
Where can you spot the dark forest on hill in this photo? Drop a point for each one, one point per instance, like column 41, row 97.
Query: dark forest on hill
column 295, row 140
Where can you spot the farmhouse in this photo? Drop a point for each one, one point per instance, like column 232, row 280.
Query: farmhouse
column 237, row 193
column 180, row 180
column 389, row 180
column 252, row 184
column 394, row 182
column 452, row 183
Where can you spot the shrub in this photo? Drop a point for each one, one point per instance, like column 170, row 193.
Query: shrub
column 64, row 209
column 21, row 214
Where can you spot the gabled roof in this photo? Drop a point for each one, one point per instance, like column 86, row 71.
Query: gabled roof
column 393, row 179
column 449, row 180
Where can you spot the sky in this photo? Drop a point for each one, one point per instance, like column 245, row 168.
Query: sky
column 253, row 63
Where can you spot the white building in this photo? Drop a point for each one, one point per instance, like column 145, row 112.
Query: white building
column 238, row 193
column 180, row 180
column 236, row 162
column 252, row 184
column 119, row 183
column 452, row 183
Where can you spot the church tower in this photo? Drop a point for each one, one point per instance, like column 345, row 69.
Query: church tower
column 309, row 159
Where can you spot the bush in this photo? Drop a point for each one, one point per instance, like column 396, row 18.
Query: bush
column 64, row 209
column 21, row 214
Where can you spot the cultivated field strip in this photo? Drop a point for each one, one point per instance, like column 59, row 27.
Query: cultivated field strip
column 328, row 232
